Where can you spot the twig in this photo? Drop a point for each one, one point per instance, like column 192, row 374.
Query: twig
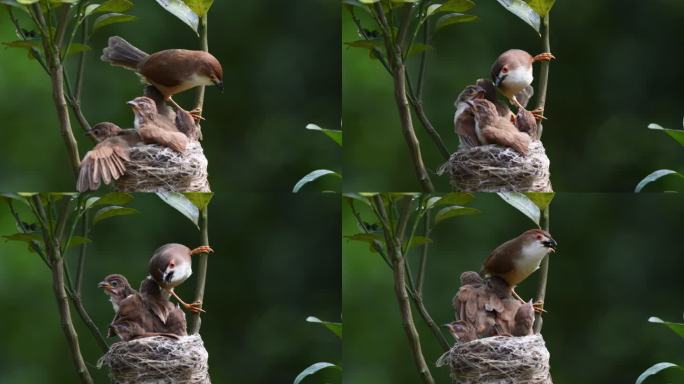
column 204, row 45
column 85, row 227
column 201, row 273
column 398, row 263
column 57, row 268
column 543, row 277
column 544, row 71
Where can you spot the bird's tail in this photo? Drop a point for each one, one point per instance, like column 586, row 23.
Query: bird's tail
column 121, row 53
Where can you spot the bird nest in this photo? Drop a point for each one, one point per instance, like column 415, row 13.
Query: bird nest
column 153, row 168
column 499, row 360
column 158, row 360
column 493, row 168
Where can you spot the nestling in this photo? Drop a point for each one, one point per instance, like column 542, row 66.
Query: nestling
column 155, row 128
column 494, row 129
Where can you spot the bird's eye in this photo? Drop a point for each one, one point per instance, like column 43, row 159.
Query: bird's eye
column 115, row 283
column 539, row 237
column 172, row 264
column 504, row 69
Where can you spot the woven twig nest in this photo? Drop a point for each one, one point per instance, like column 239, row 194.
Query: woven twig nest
column 493, row 168
column 499, row 360
column 158, row 360
column 154, row 168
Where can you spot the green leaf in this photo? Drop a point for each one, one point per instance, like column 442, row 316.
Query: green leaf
column 313, row 175
column 111, row 18
column 27, row 2
column 200, row 7
column 355, row 3
column 418, row 48
column 454, row 18
column 77, row 48
column 335, row 328
column 451, row 6
column 181, row 204
column 315, row 367
column 655, row 176
column 26, row 44
column 179, row 9
column 523, row 204
column 677, row 134
column 418, row 241
column 369, row 1
column 113, row 198
column 27, row 237
column 335, row 135
column 542, row 7
column 14, row 3
column 357, row 197
column 369, row 238
column 540, row 199
column 453, row 198
column 116, row 6
column 655, row 369
column 524, row 12
column 78, row 240
column 678, row 328
column 112, row 211
column 199, row 199
column 453, row 211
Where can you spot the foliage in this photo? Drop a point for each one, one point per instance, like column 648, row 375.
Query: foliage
column 531, row 204
column 677, row 328
column 335, row 328
column 678, row 136
column 335, row 136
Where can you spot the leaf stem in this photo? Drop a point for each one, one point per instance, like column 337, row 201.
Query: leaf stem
column 201, row 273
column 543, row 276
column 544, row 71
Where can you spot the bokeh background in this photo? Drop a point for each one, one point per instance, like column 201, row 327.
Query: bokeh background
column 619, row 262
column 281, row 72
column 617, row 70
column 277, row 261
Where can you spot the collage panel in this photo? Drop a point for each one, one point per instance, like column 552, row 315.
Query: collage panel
column 269, row 68
column 274, row 268
column 614, row 274
column 611, row 79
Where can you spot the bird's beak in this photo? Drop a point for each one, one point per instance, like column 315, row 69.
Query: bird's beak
column 90, row 133
column 470, row 103
column 133, row 104
column 219, row 85
column 104, row 285
column 499, row 79
column 551, row 244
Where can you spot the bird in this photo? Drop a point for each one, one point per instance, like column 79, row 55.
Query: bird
column 464, row 120
column 168, row 317
column 182, row 119
column 516, row 259
column 512, row 74
column 494, row 129
column 132, row 320
column 107, row 160
column 526, row 122
column 171, row 265
column 524, row 320
column 171, row 71
column 489, row 93
column 155, row 128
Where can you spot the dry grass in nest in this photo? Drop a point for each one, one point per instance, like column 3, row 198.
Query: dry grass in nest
column 493, row 168
column 158, row 360
column 154, row 168
column 499, row 360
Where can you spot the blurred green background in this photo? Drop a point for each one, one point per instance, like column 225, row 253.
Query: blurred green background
column 282, row 71
column 276, row 262
column 619, row 262
column 618, row 69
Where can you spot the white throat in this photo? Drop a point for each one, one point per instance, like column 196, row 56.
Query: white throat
column 180, row 274
column 516, row 80
column 531, row 256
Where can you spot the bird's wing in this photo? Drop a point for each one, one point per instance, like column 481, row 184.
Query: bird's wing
column 153, row 134
column 169, row 68
column 105, row 162
column 187, row 125
column 519, row 141
column 499, row 262
column 464, row 126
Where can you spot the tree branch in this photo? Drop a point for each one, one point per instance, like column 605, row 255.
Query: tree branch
column 398, row 262
column 204, row 45
column 543, row 276
column 544, row 71
column 201, row 273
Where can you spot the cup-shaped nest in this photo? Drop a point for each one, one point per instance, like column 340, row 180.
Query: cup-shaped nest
column 499, row 360
column 493, row 168
column 157, row 360
column 154, row 168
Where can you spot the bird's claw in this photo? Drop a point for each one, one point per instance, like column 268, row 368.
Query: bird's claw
column 539, row 306
column 195, row 307
column 545, row 56
column 202, row 249
column 196, row 114
column 538, row 114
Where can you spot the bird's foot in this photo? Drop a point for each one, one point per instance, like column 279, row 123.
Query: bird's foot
column 196, row 114
column 539, row 306
column 546, row 56
column 195, row 307
column 538, row 114
column 202, row 249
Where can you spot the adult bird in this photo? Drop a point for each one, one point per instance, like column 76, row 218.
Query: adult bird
column 171, row 71
column 107, row 160
column 512, row 75
column 171, row 265
column 516, row 259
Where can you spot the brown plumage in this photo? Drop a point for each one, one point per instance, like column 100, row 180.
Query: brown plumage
column 107, row 160
column 494, row 129
column 524, row 320
column 168, row 317
column 171, row 265
column 464, row 120
column 171, row 71
column 512, row 74
column 155, row 128
column 527, row 123
column 489, row 93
